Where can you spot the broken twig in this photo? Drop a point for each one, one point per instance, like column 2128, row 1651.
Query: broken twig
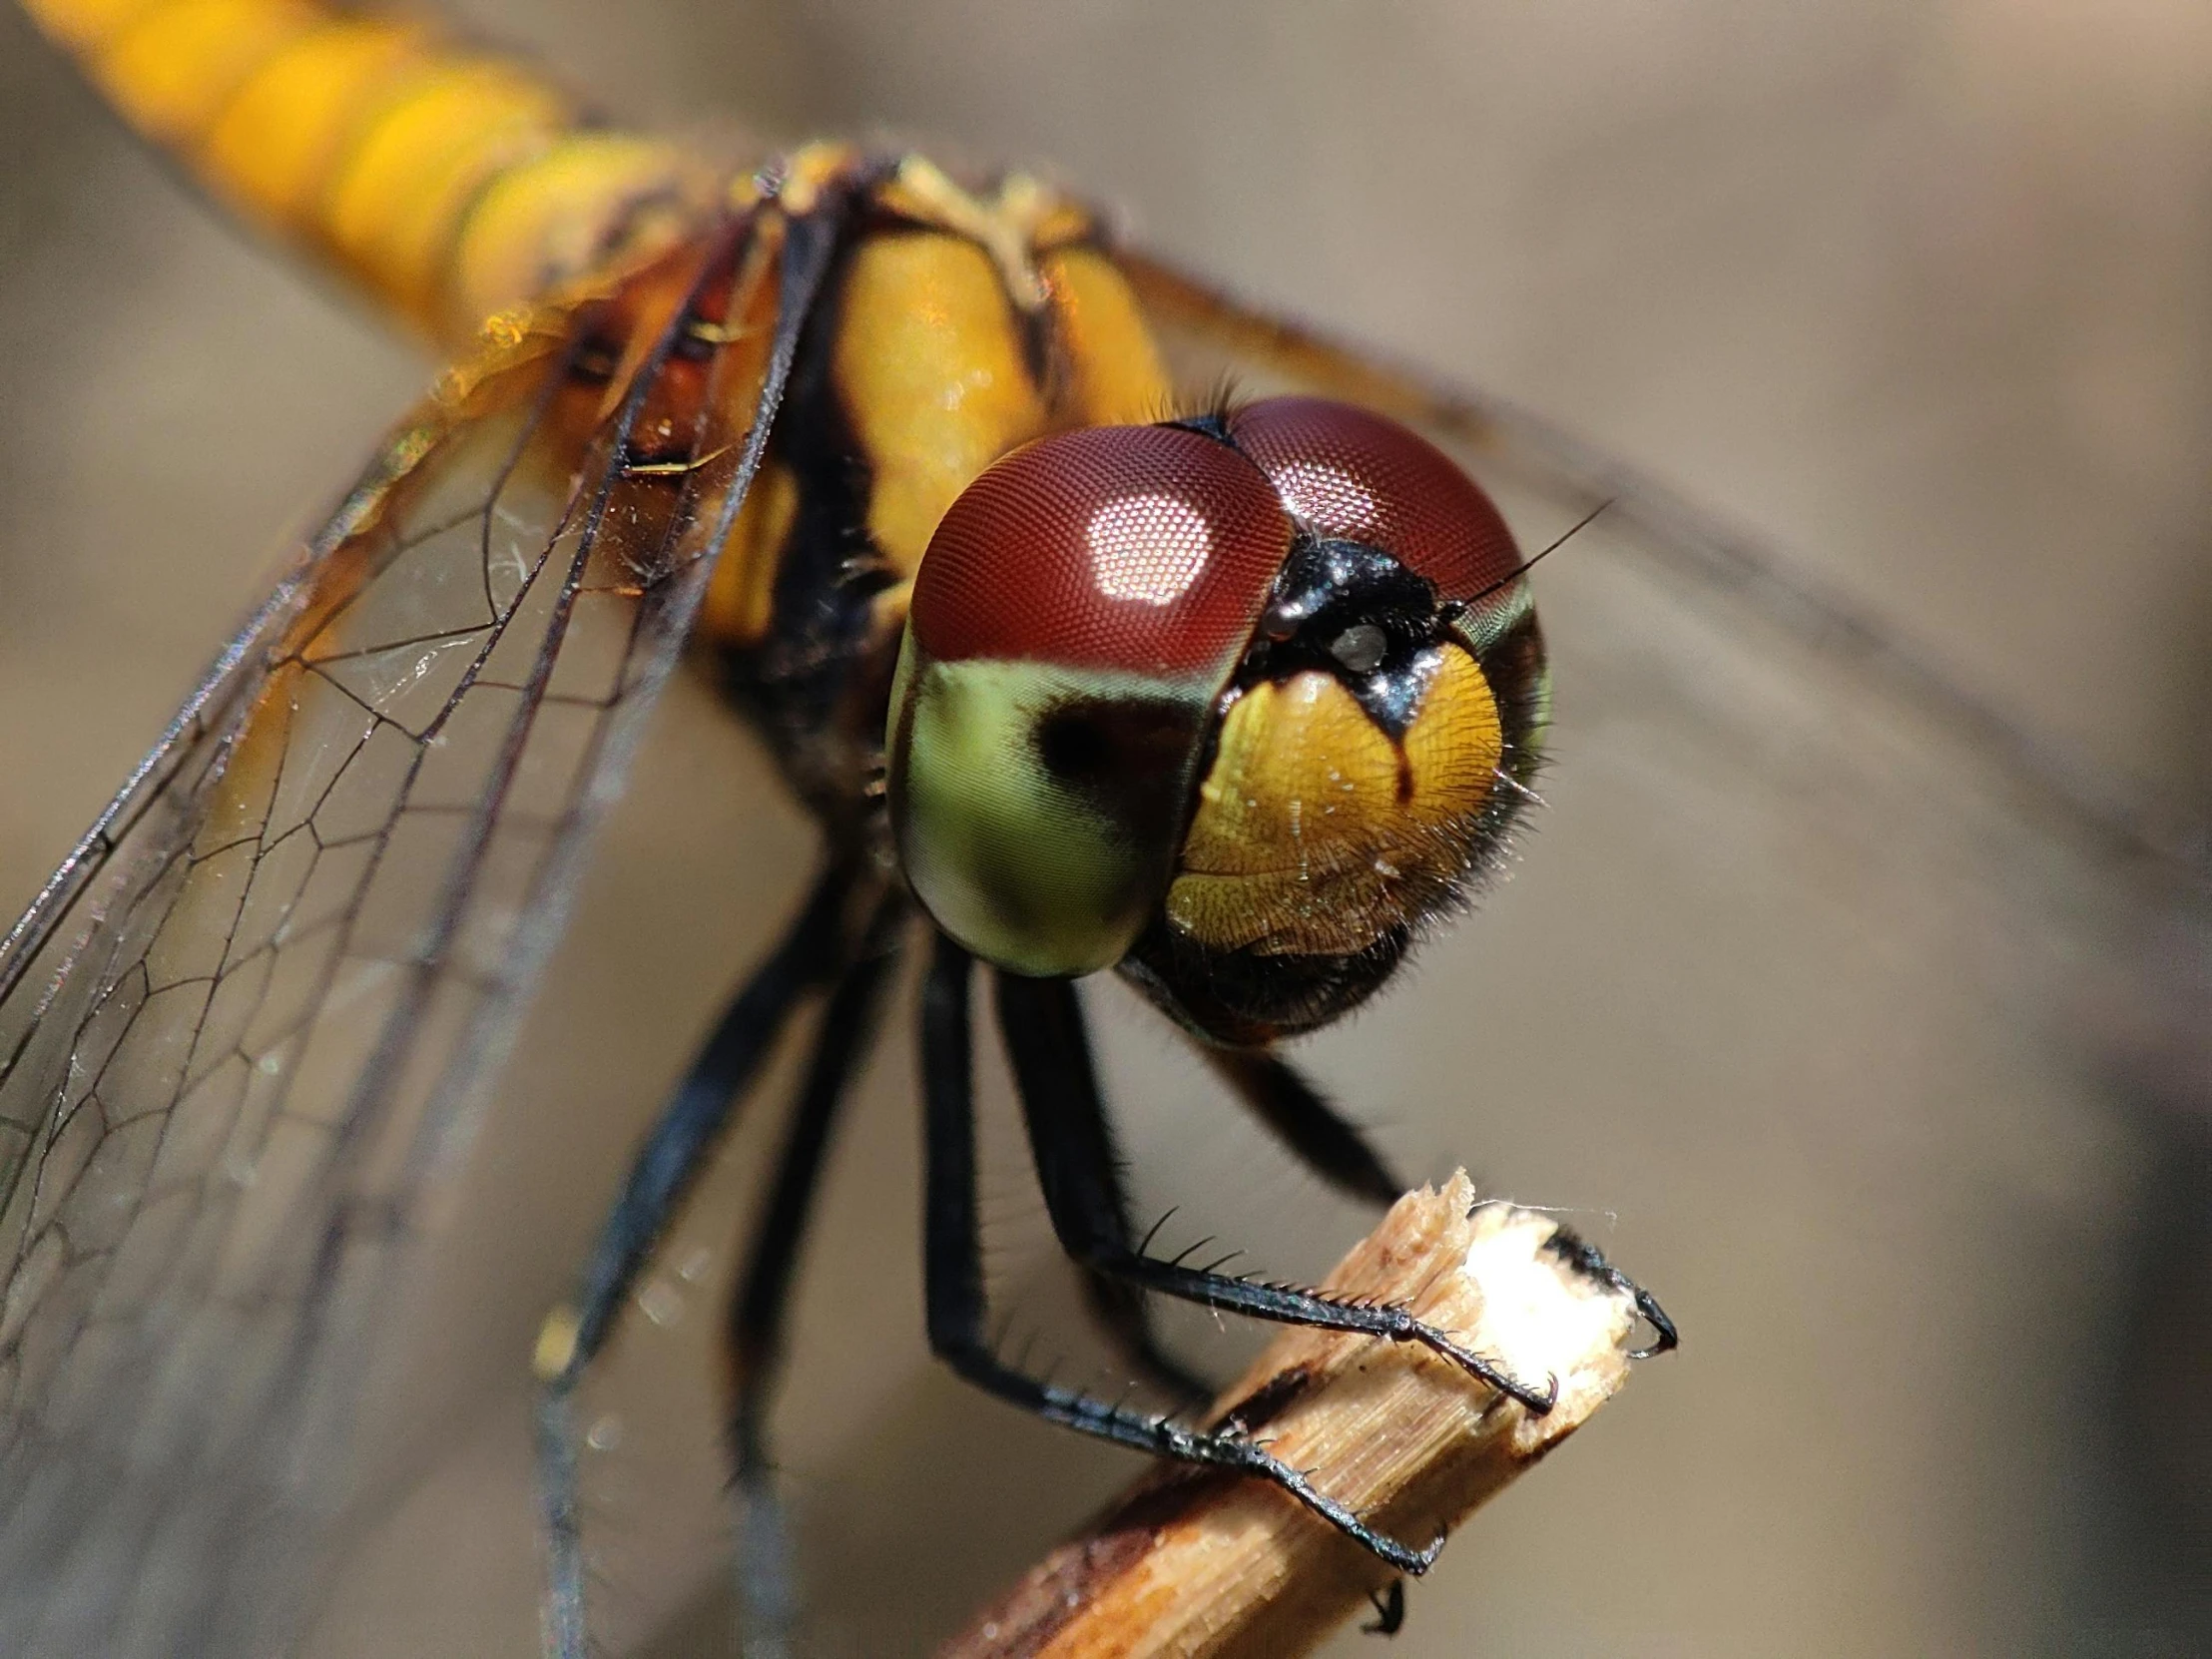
column 1201, row 1566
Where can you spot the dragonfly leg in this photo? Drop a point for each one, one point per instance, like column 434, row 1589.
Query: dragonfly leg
column 756, row 1329
column 1042, row 1025
column 1302, row 1117
column 1589, row 1261
column 957, row 1309
column 1119, row 1307
column 673, row 1153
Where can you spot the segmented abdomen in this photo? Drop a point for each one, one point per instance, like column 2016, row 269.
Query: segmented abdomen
column 447, row 182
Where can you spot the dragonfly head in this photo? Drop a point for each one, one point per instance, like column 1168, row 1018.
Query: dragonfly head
column 1238, row 704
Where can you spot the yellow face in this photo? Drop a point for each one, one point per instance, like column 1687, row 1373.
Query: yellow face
column 1317, row 831
column 1330, row 827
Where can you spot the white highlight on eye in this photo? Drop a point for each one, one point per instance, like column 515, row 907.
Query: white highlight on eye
column 1149, row 548
column 1324, row 494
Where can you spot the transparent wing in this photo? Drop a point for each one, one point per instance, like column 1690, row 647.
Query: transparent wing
column 242, row 1025
column 1831, row 1003
column 1728, row 593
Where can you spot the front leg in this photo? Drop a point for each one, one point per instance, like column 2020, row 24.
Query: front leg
column 1043, row 1028
column 1301, row 1117
column 958, row 1309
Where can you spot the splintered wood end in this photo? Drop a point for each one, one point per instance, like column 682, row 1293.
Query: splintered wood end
column 1192, row 1562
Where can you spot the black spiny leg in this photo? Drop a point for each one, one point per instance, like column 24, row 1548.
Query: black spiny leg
column 1586, row 1258
column 1301, row 1117
column 1118, row 1306
column 756, row 1325
column 673, row 1155
column 1043, row 1024
column 1334, row 1148
column 953, row 1273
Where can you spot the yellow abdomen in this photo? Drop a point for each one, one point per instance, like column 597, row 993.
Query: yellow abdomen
column 447, row 183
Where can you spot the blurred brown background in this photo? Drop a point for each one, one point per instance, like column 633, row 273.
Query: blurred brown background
column 1916, row 291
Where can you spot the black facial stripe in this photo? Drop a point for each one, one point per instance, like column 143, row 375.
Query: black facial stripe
column 1351, row 609
column 1328, row 585
column 1329, row 599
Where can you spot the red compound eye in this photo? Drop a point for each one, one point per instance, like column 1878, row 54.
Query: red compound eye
column 1361, row 477
column 1148, row 549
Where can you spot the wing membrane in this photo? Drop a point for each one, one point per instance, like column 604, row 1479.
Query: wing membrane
column 1209, row 336
column 241, row 1025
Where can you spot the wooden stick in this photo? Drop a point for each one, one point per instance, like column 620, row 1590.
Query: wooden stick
column 1198, row 1565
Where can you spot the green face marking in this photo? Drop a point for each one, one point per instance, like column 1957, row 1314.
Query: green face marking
column 1038, row 807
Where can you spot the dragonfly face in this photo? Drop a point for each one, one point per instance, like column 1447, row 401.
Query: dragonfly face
column 1241, row 702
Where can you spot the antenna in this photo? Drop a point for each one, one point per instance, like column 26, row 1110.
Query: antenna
column 1527, row 565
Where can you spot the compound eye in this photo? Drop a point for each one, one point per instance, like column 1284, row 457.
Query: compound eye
column 1145, row 549
column 1079, row 612
column 1354, row 475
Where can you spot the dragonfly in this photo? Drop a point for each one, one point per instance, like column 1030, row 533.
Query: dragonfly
column 620, row 472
